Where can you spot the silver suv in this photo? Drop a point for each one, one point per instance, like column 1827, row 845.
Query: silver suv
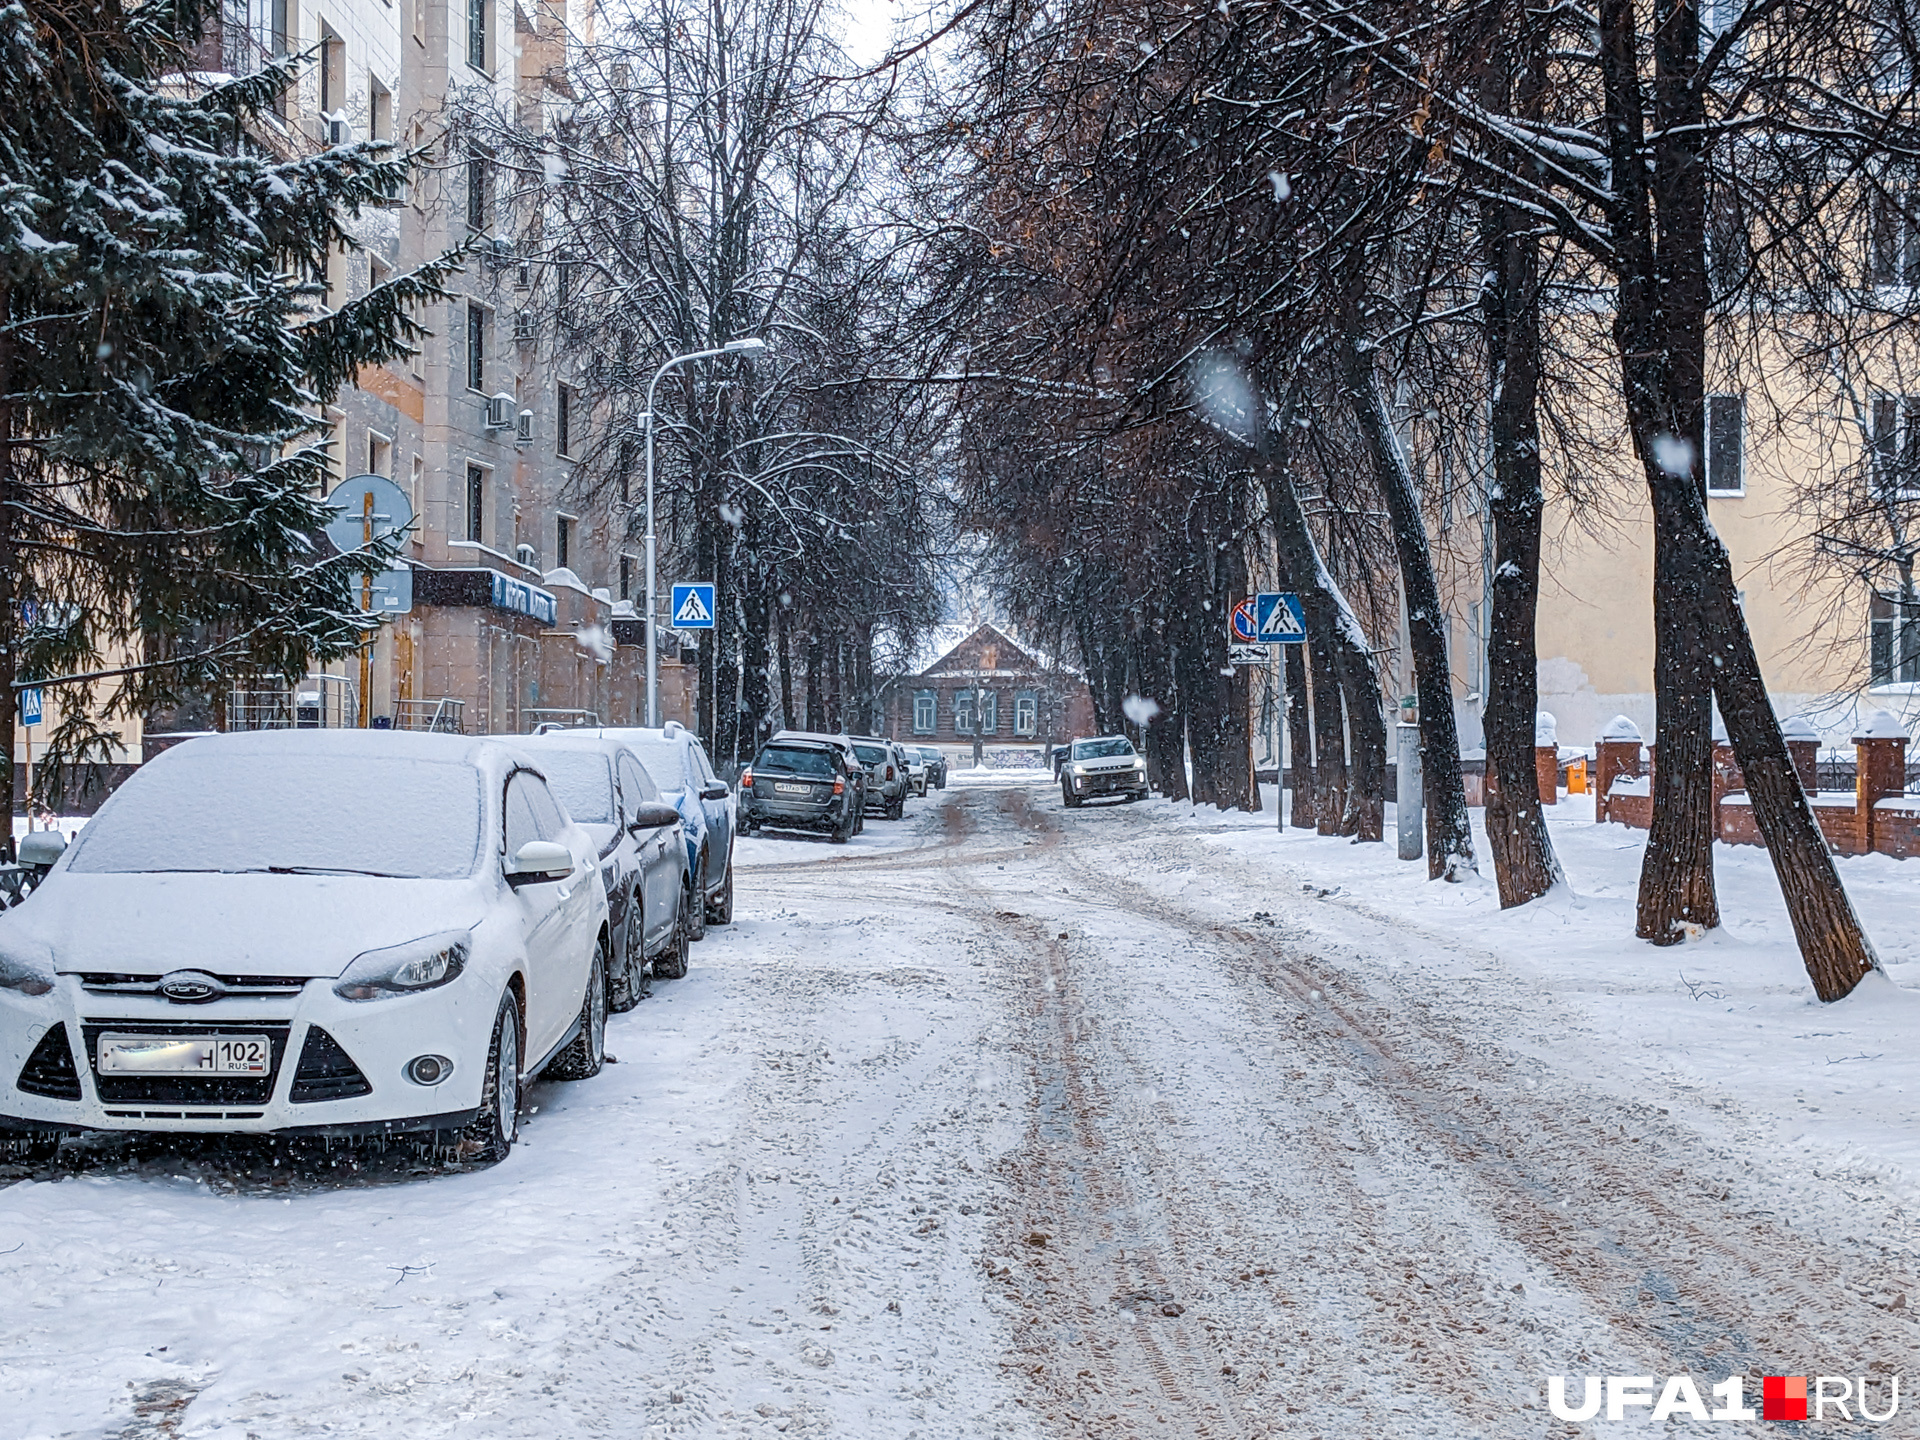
column 887, row 781
column 1106, row 766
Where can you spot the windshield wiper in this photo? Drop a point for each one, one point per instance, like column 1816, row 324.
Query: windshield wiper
column 323, row 870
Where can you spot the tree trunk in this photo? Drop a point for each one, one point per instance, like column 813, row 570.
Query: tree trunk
column 816, row 664
column 1524, row 865
column 1342, row 666
column 1449, row 827
column 1299, row 739
column 783, row 643
column 1165, row 733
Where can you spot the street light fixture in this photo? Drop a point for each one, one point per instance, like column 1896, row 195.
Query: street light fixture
column 747, row 348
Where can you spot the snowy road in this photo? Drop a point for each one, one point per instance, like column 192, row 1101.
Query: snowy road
column 1004, row 1120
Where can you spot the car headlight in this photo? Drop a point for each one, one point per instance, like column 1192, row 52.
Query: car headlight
column 403, row 969
column 1139, row 764
column 19, row 974
column 1076, row 769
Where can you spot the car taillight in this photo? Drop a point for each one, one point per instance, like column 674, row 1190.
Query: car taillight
column 889, row 772
column 839, row 787
column 746, row 779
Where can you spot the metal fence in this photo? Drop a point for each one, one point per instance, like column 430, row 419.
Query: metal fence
column 319, row 702
column 443, row 716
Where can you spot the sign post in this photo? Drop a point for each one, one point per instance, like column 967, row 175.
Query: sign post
column 31, row 713
column 371, row 508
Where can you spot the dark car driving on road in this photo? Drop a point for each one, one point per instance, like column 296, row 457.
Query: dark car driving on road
column 802, row 784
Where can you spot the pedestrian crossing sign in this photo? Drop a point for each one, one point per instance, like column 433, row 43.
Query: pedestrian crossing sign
column 693, row 606
column 1278, row 619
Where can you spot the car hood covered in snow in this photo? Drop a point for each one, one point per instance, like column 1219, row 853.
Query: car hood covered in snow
column 288, row 925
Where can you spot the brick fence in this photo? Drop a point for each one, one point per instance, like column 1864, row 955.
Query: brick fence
column 1877, row 815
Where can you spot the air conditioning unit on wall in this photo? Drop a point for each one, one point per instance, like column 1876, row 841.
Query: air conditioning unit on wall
column 523, row 432
column 525, row 328
column 499, row 411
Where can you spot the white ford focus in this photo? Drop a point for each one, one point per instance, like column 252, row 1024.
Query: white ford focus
column 307, row 932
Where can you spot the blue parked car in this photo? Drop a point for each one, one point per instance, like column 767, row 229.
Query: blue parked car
column 678, row 763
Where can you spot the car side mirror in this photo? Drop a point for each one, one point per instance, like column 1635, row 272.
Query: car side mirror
column 716, row 791
column 653, row 815
column 538, row 862
column 42, row 847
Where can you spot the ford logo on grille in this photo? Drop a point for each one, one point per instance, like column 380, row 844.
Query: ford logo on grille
column 191, row 987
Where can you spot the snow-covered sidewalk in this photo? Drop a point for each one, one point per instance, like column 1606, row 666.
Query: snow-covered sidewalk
column 1728, row 1016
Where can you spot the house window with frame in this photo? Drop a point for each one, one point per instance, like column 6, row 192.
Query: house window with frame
column 477, row 34
column 626, row 577
column 476, row 347
column 479, row 191
column 625, row 468
column 925, row 712
column 989, row 712
column 1896, row 446
column 379, row 454
column 1895, row 258
column 963, row 712
column 1894, row 641
column 563, row 541
column 563, row 422
column 1026, row 713
column 1726, row 444
column 476, row 504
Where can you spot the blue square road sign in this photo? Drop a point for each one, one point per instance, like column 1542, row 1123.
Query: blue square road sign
column 693, row 606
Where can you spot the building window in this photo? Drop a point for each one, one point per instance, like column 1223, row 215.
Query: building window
column 476, row 347
column 476, row 503
column 415, row 485
column 1716, row 18
column 479, row 191
column 1895, row 641
column 563, row 425
column 563, row 542
column 379, row 454
column 625, row 477
column 963, row 712
column 1726, row 444
column 379, row 111
column 925, row 710
column 1896, row 236
column 1026, row 713
column 626, row 577
column 989, row 712
column 477, row 34
column 333, row 74
column 1896, row 446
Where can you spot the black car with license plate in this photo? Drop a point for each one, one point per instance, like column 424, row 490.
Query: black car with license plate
column 799, row 783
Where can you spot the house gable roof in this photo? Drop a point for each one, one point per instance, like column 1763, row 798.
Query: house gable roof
column 988, row 650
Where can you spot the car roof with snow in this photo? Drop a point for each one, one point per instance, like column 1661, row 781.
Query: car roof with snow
column 492, row 755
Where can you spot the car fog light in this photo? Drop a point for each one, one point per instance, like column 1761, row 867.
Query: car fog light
column 428, row 1069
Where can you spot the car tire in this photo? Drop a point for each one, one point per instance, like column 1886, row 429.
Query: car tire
column 629, row 986
column 488, row 1138
column 671, row 963
column 697, row 912
column 841, row 832
column 28, row 1147
column 720, row 907
column 585, row 1054
column 897, row 809
column 1068, row 798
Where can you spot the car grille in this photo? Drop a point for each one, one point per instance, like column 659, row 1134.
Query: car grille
column 326, row 1071
column 50, row 1071
column 186, row 1089
column 238, row 987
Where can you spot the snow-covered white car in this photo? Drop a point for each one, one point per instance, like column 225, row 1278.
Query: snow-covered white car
column 307, row 932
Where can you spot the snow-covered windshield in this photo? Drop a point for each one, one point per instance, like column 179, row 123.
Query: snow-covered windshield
column 1102, row 749
column 794, row 760
column 581, row 780
column 324, row 814
column 662, row 759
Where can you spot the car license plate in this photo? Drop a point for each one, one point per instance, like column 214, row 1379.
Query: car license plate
column 780, row 789
column 185, row 1055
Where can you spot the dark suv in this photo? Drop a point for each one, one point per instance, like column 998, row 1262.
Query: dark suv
column 798, row 783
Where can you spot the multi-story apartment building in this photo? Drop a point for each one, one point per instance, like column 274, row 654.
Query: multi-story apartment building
column 521, row 579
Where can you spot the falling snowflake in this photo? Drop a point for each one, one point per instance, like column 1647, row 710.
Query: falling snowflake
column 1673, row 454
column 1139, row 709
column 733, row 515
column 1282, row 187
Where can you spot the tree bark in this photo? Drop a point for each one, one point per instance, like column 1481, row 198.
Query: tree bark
column 1299, row 739
column 1524, row 864
column 1449, row 828
column 1166, row 732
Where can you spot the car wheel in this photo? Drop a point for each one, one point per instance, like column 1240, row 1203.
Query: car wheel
column 671, row 963
column 29, row 1147
column 629, row 986
column 1067, row 797
column 842, row 831
column 586, row 1053
column 720, row 907
column 697, row 912
column 488, row 1137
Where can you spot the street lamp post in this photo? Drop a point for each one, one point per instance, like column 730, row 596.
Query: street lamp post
column 747, row 347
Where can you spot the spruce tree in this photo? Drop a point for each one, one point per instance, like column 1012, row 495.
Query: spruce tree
column 165, row 353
